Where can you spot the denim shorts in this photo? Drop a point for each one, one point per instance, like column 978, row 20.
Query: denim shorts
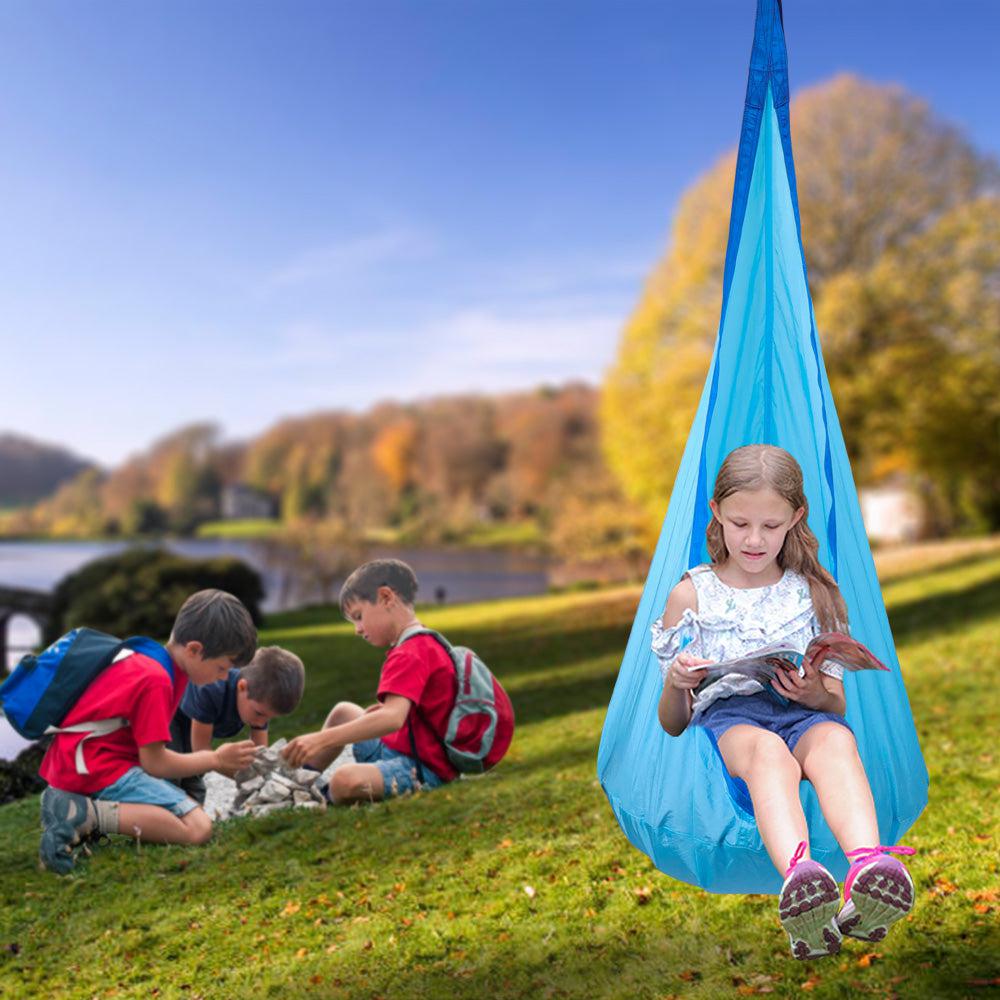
column 764, row 710
column 138, row 787
column 399, row 770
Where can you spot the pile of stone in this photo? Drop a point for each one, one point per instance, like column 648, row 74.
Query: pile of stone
column 269, row 784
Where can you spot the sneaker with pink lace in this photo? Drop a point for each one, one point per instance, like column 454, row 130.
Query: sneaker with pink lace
column 878, row 891
column 807, row 907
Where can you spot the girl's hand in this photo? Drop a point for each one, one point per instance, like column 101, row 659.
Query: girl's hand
column 807, row 690
column 685, row 673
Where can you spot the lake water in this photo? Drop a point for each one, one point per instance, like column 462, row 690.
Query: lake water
column 463, row 575
column 446, row 575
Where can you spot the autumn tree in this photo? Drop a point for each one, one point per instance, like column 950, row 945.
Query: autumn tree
column 878, row 174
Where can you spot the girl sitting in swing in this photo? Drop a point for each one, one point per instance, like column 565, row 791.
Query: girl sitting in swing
column 766, row 584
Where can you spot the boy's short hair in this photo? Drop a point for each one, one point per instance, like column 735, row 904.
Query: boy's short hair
column 220, row 623
column 364, row 582
column 277, row 677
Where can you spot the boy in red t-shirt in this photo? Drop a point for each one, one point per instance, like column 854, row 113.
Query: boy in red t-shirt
column 122, row 786
column 397, row 742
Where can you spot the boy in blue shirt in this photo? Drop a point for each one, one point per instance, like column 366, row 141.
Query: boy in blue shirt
column 269, row 686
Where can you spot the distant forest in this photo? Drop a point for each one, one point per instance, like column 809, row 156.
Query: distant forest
column 441, row 470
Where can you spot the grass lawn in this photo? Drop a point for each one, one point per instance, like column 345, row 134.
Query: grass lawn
column 520, row 884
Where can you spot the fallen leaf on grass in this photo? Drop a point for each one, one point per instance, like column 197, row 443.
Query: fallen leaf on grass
column 505, row 843
column 689, row 975
column 643, row 894
column 291, row 908
column 316, row 980
column 811, row 983
column 302, row 952
column 983, row 895
column 942, row 887
column 868, row 957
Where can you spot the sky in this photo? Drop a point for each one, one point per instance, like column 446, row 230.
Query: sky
column 238, row 211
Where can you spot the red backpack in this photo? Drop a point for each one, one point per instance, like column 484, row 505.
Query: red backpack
column 481, row 723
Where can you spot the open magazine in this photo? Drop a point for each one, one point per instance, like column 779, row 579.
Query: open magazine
column 827, row 647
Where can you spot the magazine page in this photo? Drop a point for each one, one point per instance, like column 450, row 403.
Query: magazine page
column 827, row 647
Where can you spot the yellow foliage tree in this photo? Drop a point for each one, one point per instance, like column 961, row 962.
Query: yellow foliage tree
column 394, row 451
column 876, row 171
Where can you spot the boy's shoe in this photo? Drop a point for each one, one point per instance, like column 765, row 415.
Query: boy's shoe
column 807, row 907
column 66, row 819
column 878, row 892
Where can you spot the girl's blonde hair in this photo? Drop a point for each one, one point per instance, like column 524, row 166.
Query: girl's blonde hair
column 759, row 466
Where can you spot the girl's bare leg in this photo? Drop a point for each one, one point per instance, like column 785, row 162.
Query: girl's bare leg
column 828, row 755
column 772, row 774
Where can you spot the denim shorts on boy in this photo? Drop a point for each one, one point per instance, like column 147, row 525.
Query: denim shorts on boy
column 764, row 710
column 399, row 770
column 136, row 786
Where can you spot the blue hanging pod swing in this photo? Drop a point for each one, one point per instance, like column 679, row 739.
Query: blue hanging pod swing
column 767, row 385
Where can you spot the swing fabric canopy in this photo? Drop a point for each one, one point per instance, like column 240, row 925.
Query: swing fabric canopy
column 767, row 384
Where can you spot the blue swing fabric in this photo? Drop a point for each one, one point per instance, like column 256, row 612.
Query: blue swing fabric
column 767, row 384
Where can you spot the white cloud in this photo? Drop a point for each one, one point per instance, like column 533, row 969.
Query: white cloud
column 350, row 256
column 485, row 348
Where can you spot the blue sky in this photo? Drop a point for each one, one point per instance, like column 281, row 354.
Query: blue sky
column 238, row 211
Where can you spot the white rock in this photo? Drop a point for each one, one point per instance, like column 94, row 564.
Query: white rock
column 227, row 798
column 274, row 791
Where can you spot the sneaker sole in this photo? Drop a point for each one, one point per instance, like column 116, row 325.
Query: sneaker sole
column 880, row 895
column 59, row 831
column 807, row 908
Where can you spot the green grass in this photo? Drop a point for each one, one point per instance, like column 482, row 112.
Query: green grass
column 248, row 527
column 519, row 884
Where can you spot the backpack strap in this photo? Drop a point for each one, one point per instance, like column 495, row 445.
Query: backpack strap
column 409, row 633
column 98, row 727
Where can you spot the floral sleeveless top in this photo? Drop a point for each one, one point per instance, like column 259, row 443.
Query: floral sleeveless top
column 732, row 622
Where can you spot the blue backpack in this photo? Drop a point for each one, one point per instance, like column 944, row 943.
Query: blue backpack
column 45, row 686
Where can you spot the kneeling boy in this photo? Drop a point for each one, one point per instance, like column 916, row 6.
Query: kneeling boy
column 270, row 685
column 121, row 786
column 397, row 742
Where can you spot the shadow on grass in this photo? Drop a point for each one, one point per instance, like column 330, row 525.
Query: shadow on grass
column 542, row 701
column 932, row 616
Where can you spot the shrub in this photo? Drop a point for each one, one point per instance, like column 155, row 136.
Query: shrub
column 139, row 591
